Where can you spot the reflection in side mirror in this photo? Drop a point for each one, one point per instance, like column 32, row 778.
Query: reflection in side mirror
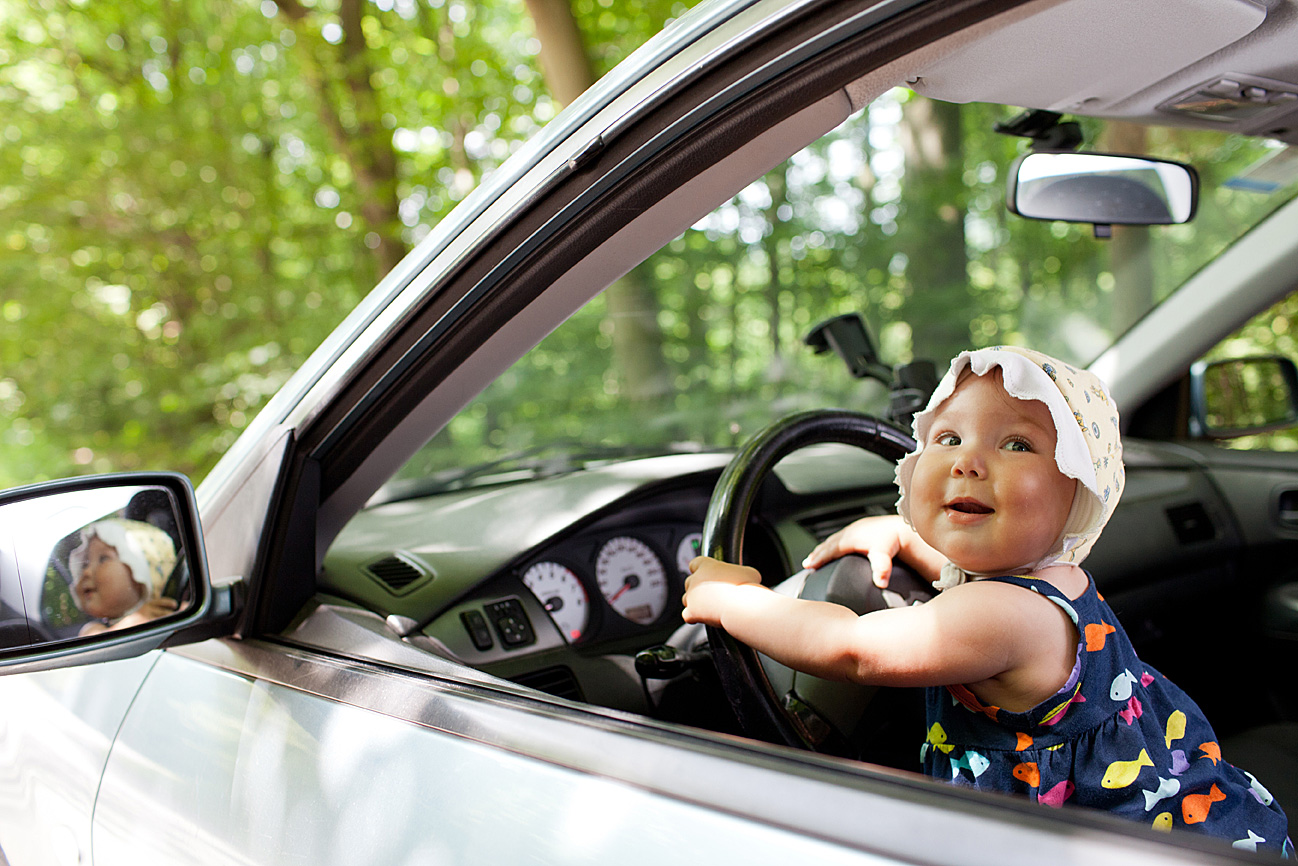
column 1102, row 188
column 104, row 567
column 85, row 562
column 1242, row 396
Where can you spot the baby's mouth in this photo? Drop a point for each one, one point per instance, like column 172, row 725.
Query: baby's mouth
column 968, row 506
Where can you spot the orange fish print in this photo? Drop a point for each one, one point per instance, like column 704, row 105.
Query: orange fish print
column 1194, row 807
column 1025, row 742
column 1028, row 772
column 1211, row 750
column 1096, row 634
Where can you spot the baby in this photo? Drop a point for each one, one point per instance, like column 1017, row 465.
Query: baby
column 119, row 571
column 1033, row 687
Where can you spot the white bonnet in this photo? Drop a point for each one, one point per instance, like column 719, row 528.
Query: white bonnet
column 144, row 548
column 1088, row 441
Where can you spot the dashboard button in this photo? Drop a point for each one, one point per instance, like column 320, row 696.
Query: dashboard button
column 476, row 625
column 511, row 622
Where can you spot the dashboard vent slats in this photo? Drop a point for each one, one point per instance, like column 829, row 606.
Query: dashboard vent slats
column 396, row 573
column 557, row 681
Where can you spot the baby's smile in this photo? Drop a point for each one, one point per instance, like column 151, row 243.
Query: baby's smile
column 968, row 506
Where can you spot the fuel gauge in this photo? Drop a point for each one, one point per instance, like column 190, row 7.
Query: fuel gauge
column 559, row 589
column 690, row 547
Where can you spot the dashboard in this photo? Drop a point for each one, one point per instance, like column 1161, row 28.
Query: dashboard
column 556, row 583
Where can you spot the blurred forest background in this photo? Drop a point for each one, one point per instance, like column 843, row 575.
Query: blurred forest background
column 192, row 195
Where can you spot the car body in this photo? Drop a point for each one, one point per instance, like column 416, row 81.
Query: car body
column 366, row 670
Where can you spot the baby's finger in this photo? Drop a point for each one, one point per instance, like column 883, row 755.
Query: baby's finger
column 880, row 567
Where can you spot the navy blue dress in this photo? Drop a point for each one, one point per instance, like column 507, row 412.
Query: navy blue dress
column 1118, row 736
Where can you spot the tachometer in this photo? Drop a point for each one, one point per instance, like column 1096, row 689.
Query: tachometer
column 560, row 590
column 632, row 579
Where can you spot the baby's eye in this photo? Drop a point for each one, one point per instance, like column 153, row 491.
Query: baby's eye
column 947, row 439
column 1018, row 445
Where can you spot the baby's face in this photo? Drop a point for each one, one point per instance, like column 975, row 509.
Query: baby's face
column 986, row 491
column 105, row 589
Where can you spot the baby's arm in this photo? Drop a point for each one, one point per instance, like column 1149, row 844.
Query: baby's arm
column 956, row 638
column 881, row 539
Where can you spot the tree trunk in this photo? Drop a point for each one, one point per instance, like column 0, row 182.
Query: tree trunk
column 934, row 240
column 364, row 144
column 1131, row 258
column 632, row 311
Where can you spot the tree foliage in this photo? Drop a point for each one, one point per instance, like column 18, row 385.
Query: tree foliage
column 193, row 195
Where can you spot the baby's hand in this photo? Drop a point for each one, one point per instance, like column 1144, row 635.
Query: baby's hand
column 706, row 587
column 879, row 538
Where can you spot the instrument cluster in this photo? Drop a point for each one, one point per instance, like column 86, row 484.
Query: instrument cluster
column 613, row 583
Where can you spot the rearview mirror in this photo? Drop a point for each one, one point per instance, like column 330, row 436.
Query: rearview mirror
column 1102, row 188
column 99, row 568
column 1242, row 396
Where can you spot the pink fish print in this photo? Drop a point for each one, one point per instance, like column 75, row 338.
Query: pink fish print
column 1056, row 796
column 1133, row 710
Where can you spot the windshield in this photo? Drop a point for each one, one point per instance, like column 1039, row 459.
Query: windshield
column 898, row 215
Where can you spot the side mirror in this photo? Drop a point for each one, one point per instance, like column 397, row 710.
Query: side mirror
column 1242, row 396
column 101, row 568
column 1102, row 188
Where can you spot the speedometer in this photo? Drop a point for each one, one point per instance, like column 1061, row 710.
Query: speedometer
column 632, row 579
column 561, row 592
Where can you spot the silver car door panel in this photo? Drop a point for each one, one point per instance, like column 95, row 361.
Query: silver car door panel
column 56, row 729
column 455, row 769
column 215, row 767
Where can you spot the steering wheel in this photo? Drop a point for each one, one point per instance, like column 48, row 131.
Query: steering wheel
column 762, row 711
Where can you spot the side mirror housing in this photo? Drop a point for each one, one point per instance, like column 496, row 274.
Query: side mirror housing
column 1102, row 188
column 101, row 568
column 1242, row 396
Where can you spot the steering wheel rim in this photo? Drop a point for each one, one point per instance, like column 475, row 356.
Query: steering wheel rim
column 760, row 711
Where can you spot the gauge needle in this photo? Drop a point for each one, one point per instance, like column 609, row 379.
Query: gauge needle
column 631, row 582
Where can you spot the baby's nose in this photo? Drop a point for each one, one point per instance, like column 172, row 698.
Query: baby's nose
column 969, row 463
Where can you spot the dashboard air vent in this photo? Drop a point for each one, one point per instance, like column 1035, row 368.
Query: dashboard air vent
column 557, row 681
column 396, row 573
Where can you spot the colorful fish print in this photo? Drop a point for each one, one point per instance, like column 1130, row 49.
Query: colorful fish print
column 1175, row 727
column 1024, row 741
column 1211, row 750
column 1122, row 685
column 1180, row 763
column 1166, row 788
column 1132, row 711
column 936, row 739
column 1056, row 796
column 1247, row 844
column 1028, row 773
column 1096, row 635
column 1145, row 679
column 1120, row 774
column 1194, row 808
column 975, row 763
column 1163, row 822
column 1261, row 794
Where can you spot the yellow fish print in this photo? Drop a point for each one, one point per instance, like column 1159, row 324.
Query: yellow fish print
column 1175, row 727
column 937, row 739
column 1163, row 822
column 1120, row 774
